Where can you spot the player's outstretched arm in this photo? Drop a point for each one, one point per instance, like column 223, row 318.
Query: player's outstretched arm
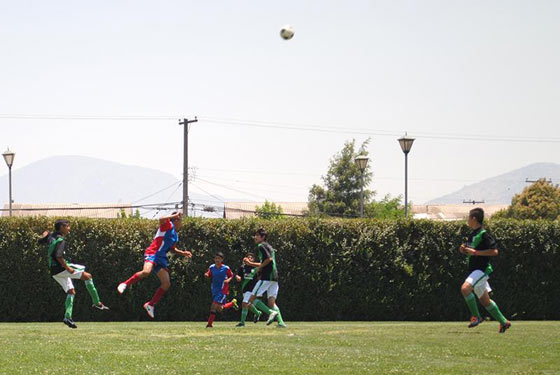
column 249, row 263
column 481, row 253
column 163, row 219
column 185, row 253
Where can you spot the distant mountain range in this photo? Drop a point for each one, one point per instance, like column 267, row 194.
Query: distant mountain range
column 79, row 179
column 500, row 189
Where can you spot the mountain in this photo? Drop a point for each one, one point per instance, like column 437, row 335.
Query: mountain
column 79, row 179
column 500, row 189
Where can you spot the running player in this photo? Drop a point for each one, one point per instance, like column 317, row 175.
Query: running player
column 221, row 275
column 247, row 276
column 479, row 248
column 63, row 272
column 267, row 273
column 155, row 259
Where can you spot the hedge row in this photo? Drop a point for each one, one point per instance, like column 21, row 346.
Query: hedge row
column 329, row 269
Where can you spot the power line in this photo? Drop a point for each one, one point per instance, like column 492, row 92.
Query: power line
column 19, row 116
column 233, row 189
column 150, row 205
column 378, row 132
column 472, row 201
column 292, row 126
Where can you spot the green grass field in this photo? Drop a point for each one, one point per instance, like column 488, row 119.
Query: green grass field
column 302, row 348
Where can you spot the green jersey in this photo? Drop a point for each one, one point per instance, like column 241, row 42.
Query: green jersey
column 269, row 272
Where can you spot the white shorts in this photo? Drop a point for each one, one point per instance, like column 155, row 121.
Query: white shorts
column 479, row 281
column 64, row 278
column 247, row 297
column 262, row 286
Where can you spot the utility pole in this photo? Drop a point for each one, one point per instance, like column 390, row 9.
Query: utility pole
column 185, row 122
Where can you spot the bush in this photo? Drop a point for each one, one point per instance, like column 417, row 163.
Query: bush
column 329, row 269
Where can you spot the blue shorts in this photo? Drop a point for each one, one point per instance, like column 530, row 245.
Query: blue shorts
column 219, row 298
column 159, row 262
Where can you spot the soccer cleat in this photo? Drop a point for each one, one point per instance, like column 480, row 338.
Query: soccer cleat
column 70, row 323
column 281, row 325
column 149, row 309
column 209, row 326
column 272, row 317
column 240, row 324
column 235, row 306
column 100, row 306
column 503, row 327
column 256, row 317
column 475, row 320
column 121, row 288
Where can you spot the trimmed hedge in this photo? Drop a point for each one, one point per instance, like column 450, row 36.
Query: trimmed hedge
column 329, row 269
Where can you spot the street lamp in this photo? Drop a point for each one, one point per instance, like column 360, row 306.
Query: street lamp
column 9, row 158
column 406, row 145
column 362, row 161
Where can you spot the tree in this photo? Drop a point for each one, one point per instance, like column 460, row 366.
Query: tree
column 135, row 215
column 340, row 195
column 269, row 210
column 387, row 208
column 540, row 200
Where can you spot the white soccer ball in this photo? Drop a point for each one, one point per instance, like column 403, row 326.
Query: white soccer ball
column 287, row 32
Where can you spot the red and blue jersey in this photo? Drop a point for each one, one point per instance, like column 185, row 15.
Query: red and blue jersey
column 166, row 239
column 218, row 275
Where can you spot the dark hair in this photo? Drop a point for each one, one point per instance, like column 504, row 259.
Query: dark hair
column 478, row 214
column 249, row 254
column 60, row 223
column 220, row 254
column 261, row 232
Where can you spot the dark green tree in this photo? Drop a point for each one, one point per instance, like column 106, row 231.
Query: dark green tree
column 540, row 200
column 340, row 195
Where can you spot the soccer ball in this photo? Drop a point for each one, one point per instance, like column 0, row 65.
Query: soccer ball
column 286, row 32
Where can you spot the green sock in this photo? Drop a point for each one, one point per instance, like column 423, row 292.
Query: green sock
column 471, row 303
column 69, row 304
column 496, row 313
column 244, row 312
column 280, row 320
column 255, row 310
column 261, row 306
column 92, row 291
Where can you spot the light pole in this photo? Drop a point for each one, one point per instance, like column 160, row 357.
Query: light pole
column 406, row 145
column 9, row 158
column 362, row 161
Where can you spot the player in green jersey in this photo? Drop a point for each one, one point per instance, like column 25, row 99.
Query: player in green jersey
column 479, row 248
column 247, row 276
column 63, row 272
column 267, row 273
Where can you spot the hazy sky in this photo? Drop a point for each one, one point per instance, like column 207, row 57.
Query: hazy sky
column 443, row 71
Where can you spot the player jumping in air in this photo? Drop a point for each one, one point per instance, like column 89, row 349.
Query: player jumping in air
column 268, row 279
column 221, row 275
column 479, row 248
column 155, row 259
column 247, row 275
column 63, row 272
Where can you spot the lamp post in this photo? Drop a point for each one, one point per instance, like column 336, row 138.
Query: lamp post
column 362, row 161
column 9, row 158
column 406, row 145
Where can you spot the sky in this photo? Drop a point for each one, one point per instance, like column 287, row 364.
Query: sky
column 476, row 83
